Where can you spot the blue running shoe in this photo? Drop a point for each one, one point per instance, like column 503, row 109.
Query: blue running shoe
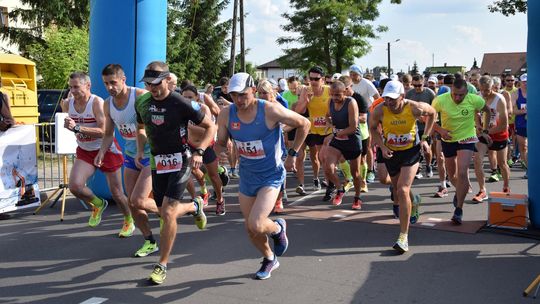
column 266, row 269
column 458, row 215
column 281, row 242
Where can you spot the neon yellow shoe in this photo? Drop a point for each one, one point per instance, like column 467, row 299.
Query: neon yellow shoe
column 200, row 217
column 95, row 218
column 147, row 249
column 158, row 275
column 348, row 186
column 127, row 229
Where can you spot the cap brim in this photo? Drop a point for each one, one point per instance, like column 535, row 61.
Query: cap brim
column 152, row 80
column 237, row 89
column 391, row 95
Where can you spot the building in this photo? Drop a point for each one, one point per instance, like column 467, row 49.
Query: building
column 497, row 64
column 445, row 69
column 6, row 6
column 273, row 69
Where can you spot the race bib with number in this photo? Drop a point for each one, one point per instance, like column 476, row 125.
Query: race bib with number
column 344, row 137
column 128, row 131
column 319, row 122
column 250, row 149
column 166, row 163
column 84, row 138
column 399, row 140
column 469, row 140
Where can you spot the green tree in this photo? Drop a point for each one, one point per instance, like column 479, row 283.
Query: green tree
column 197, row 41
column 508, row 7
column 41, row 14
column 330, row 33
column 65, row 50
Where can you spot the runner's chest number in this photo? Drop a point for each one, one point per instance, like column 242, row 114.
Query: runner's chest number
column 250, row 149
column 166, row 163
column 128, row 131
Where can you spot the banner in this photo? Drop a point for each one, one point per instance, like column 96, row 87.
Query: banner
column 18, row 171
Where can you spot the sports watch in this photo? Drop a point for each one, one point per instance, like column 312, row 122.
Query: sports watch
column 292, row 153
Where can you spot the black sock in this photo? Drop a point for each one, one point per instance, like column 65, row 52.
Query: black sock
column 150, row 238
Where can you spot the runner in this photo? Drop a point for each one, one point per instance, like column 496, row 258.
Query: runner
column 458, row 133
column 498, row 131
column 119, row 109
column 254, row 125
column 400, row 146
column 519, row 100
column 345, row 142
column 87, row 121
column 165, row 116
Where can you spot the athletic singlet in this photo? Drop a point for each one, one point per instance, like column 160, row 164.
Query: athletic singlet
column 512, row 118
column 259, row 148
column 494, row 119
column 125, row 120
column 340, row 120
column 317, row 108
column 521, row 103
column 87, row 119
column 399, row 130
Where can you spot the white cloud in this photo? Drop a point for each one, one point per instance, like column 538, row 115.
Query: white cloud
column 471, row 33
column 264, row 7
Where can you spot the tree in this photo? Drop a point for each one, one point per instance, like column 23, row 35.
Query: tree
column 508, row 7
column 414, row 69
column 65, row 50
column 197, row 42
column 41, row 14
column 331, row 33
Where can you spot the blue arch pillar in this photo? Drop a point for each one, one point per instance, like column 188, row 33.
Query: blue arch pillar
column 131, row 33
column 533, row 106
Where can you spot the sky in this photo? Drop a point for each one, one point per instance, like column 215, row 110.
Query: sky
column 452, row 32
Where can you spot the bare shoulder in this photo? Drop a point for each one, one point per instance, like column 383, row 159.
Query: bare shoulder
column 139, row 92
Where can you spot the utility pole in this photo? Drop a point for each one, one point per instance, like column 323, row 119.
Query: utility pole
column 432, row 59
column 242, row 48
column 389, row 73
column 233, row 40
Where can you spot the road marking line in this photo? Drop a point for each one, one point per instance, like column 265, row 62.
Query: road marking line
column 94, row 300
column 303, row 198
column 349, row 211
column 428, row 224
column 434, row 219
column 338, row 215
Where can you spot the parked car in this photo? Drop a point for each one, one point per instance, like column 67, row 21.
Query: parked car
column 48, row 105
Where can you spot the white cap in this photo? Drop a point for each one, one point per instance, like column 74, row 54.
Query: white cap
column 523, row 78
column 383, row 76
column 393, row 89
column 336, row 76
column 355, row 69
column 283, row 84
column 240, row 82
column 432, row 79
column 273, row 82
column 394, row 77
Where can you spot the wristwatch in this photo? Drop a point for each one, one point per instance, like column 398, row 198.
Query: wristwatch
column 292, row 153
column 485, row 131
column 77, row 129
column 425, row 137
column 199, row 151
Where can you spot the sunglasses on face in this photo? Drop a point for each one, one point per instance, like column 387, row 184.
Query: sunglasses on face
column 149, row 84
column 314, row 78
column 417, row 85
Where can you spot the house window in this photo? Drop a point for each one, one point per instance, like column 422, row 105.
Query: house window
column 3, row 16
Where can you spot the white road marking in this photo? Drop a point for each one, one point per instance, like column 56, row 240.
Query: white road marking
column 434, row 219
column 300, row 200
column 428, row 224
column 94, row 300
column 338, row 215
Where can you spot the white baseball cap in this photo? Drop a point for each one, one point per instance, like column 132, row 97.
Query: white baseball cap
column 240, row 82
column 336, row 76
column 393, row 89
column 283, row 84
column 432, row 79
column 523, row 78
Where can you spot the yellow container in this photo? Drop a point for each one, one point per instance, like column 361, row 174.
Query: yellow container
column 19, row 83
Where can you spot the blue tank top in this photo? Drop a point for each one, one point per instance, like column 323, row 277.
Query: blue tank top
column 340, row 120
column 521, row 120
column 259, row 148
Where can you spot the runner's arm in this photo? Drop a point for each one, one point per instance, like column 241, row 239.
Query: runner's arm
column 428, row 113
column 139, row 92
column 508, row 102
column 210, row 103
column 108, row 135
column 222, row 131
column 99, row 130
column 374, row 120
column 279, row 114
column 302, row 102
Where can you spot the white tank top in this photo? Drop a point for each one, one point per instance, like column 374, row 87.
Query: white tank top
column 125, row 118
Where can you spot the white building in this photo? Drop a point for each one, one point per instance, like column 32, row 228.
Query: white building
column 7, row 6
column 273, row 69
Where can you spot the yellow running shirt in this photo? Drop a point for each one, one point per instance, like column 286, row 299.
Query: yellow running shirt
column 399, row 130
column 459, row 118
column 317, row 109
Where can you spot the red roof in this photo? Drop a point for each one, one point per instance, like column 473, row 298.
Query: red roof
column 499, row 63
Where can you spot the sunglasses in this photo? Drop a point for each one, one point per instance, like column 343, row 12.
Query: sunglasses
column 417, row 85
column 149, row 84
column 509, row 80
column 314, row 78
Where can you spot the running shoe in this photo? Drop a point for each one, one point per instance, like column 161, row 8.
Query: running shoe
column 370, row 178
column 429, row 171
column 510, row 163
column 316, row 184
column 147, row 249
column 348, row 186
column 214, row 196
column 338, row 198
column 506, row 189
column 234, row 175
column 205, row 198
column 127, row 229
column 158, row 275
column 266, row 268
column 419, row 175
column 442, row 192
column 324, row 184
column 401, row 245
column 395, row 210
column 300, row 190
column 95, row 218
column 328, row 194
column 200, row 217
column 494, row 177
column 278, row 208
column 458, row 215
column 281, row 242
column 224, row 175
column 526, row 176
column 523, row 165
column 220, row 207
column 448, row 184
column 415, row 213
column 480, row 197
column 364, row 189
column 357, row 204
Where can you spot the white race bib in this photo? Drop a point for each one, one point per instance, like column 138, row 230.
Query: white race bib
column 319, row 122
column 399, row 140
column 250, row 149
column 128, row 131
column 166, row 163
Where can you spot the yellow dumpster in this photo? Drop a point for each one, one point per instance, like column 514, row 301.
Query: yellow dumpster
column 18, row 76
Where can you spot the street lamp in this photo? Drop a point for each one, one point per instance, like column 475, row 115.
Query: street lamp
column 389, row 73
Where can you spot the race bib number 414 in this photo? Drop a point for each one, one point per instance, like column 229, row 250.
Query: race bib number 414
column 250, row 149
column 166, row 163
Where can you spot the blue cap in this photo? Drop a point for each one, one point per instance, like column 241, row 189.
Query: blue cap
column 356, row 69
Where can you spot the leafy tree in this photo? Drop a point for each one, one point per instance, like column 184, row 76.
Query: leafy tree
column 41, row 14
column 331, row 33
column 414, row 69
column 197, row 42
column 65, row 50
column 508, row 7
